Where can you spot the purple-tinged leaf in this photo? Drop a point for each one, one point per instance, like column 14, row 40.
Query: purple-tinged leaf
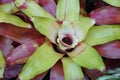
column 93, row 74
column 12, row 71
column 48, row 5
column 106, row 15
column 40, row 76
column 5, row 1
column 5, row 45
column 20, row 35
column 112, row 63
column 56, row 72
column 109, row 50
column 23, row 52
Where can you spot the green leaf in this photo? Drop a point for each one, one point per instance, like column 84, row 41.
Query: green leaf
column 87, row 57
column 2, row 65
column 102, row 34
column 8, row 18
column 82, row 26
column 42, row 60
column 8, row 8
column 46, row 26
column 31, row 8
column 71, row 70
column 68, row 10
column 113, row 2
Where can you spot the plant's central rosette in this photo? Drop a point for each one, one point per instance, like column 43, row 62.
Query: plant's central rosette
column 67, row 37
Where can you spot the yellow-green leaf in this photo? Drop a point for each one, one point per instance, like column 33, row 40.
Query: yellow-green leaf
column 46, row 26
column 42, row 60
column 113, row 2
column 9, row 18
column 32, row 8
column 102, row 34
column 68, row 10
column 8, row 8
column 71, row 70
column 2, row 65
column 87, row 57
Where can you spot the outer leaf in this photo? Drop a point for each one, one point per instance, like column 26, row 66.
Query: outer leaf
column 48, row 5
column 42, row 60
column 40, row 76
column 47, row 27
column 102, row 34
column 112, row 63
column 5, row 1
column 71, row 70
column 12, row 71
column 5, row 45
column 18, row 34
column 31, row 8
column 8, row 8
column 2, row 65
column 68, row 10
column 93, row 74
column 109, row 50
column 20, row 54
column 113, row 2
column 106, row 15
column 7, row 18
column 87, row 57
column 56, row 73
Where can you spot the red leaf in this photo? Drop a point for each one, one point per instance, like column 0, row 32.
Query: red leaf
column 21, row 53
column 109, row 50
column 18, row 34
column 56, row 72
column 106, row 15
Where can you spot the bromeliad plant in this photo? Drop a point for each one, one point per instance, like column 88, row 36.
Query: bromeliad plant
column 69, row 38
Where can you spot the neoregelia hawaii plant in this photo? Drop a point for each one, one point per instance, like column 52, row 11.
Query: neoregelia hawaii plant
column 68, row 38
